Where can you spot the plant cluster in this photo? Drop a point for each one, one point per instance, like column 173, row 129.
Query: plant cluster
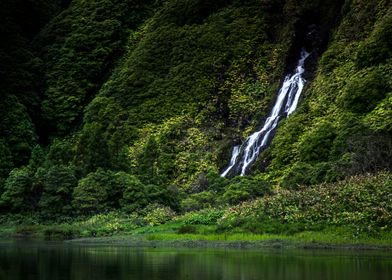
column 362, row 203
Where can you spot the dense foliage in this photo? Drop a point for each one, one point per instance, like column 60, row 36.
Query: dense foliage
column 362, row 203
column 343, row 126
column 134, row 106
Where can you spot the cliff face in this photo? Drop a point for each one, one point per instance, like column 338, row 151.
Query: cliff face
column 344, row 125
column 162, row 90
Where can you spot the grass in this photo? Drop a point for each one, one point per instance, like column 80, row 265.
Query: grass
column 204, row 235
column 303, row 237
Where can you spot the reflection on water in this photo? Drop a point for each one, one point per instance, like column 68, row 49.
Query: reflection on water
column 26, row 260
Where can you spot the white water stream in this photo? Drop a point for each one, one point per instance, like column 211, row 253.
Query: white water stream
column 286, row 103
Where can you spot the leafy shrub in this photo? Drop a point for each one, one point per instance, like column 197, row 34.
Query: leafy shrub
column 109, row 223
column 378, row 48
column 364, row 91
column 301, row 174
column 235, row 215
column 315, row 144
column 358, row 202
column 331, row 58
column 158, row 214
column 368, row 152
column 272, row 226
column 198, row 201
column 202, row 217
column 163, row 195
column 100, row 190
column 216, row 182
column 245, row 188
column 380, row 119
column 26, row 230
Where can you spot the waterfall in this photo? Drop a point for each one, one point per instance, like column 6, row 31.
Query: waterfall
column 286, row 103
column 234, row 156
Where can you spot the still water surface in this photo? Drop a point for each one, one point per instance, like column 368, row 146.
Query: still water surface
column 52, row 261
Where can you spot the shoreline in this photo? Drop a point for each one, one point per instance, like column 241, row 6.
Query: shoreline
column 275, row 243
column 210, row 241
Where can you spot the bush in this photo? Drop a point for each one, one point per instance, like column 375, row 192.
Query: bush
column 17, row 189
column 301, row 174
column 364, row 90
column 359, row 202
column 378, row 48
column 245, row 188
column 202, row 217
column 163, row 195
column 158, row 214
column 61, row 152
column 316, row 143
column 198, row 201
column 110, row 223
column 216, row 182
column 380, row 119
column 100, row 190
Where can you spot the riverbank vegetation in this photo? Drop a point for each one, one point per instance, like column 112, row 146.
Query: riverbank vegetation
column 353, row 211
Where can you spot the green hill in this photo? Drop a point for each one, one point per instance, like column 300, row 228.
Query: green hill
column 135, row 106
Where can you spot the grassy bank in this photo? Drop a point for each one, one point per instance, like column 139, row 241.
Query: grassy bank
column 169, row 235
column 305, row 240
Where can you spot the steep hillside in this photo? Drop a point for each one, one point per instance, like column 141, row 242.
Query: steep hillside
column 133, row 105
column 344, row 124
column 20, row 22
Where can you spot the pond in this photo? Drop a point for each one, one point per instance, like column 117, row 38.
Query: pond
column 57, row 260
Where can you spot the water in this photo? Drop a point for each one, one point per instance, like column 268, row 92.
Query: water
column 286, row 103
column 59, row 261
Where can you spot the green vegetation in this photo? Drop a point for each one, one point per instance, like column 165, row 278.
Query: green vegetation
column 335, row 133
column 356, row 211
column 118, row 116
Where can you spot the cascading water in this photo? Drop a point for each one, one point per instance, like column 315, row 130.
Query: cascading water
column 286, row 103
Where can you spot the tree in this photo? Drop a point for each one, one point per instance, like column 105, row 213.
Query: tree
column 5, row 163
column 135, row 194
column 90, row 195
column 16, row 190
column 58, row 183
